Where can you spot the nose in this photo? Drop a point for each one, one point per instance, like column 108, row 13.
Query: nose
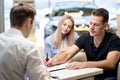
column 91, row 26
column 66, row 27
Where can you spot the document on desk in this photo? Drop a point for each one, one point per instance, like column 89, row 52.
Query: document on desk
column 60, row 73
column 57, row 67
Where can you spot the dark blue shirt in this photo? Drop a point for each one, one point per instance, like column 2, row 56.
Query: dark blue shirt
column 111, row 42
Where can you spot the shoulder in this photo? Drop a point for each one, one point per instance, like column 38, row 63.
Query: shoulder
column 85, row 36
column 112, row 39
column 25, row 44
column 48, row 40
column 111, row 36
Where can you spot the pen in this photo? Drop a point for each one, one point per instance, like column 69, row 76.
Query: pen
column 56, row 69
column 55, row 77
column 47, row 59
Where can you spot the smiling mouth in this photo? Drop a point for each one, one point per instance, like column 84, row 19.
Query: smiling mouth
column 92, row 31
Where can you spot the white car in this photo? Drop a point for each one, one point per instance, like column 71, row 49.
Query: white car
column 80, row 11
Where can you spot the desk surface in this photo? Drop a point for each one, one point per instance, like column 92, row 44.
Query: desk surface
column 77, row 74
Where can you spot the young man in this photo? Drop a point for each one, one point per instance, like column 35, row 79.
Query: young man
column 102, row 48
column 19, row 57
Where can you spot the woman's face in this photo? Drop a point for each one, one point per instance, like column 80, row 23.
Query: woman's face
column 66, row 26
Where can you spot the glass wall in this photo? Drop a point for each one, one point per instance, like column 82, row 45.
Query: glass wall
column 43, row 19
column 46, row 23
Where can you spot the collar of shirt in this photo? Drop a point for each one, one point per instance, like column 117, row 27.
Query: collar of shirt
column 13, row 31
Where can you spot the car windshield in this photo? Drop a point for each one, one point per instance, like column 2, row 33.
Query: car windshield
column 72, row 8
column 81, row 11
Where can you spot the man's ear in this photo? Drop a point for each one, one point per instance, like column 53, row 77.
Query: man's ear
column 28, row 22
column 106, row 26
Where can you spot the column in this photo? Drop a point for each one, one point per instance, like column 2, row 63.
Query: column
column 1, row 16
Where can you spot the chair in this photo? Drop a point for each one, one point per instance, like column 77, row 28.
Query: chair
column 80, row 56
column 118, row 74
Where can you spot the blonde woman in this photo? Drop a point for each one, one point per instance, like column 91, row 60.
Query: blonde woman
column 63, row 37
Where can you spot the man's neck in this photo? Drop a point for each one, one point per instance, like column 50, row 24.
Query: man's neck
column 98, row 39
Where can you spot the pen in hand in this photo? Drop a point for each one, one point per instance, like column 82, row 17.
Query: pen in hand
column 47, row 58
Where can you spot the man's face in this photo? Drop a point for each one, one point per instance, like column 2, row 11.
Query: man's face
column 96, row 26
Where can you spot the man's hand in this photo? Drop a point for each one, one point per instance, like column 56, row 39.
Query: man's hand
column 76, row 65
column 47, row 73
column 45, row 60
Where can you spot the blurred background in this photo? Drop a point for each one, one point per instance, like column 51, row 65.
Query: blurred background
column 49, row 13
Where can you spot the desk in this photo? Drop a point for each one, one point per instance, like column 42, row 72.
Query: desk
column 82, row 74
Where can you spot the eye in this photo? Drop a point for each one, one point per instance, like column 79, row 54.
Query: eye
column 69, row 26
column 96, row 24
column 64, row 24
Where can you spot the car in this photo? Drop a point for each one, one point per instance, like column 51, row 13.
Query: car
column 80, row 11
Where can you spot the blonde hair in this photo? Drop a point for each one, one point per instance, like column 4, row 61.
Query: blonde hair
column 57, row 38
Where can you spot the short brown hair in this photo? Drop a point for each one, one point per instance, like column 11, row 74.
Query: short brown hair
column 101, row 12
column 20, row 12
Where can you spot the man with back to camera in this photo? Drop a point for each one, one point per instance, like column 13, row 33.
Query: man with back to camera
column 102, row 48
column 18, row 55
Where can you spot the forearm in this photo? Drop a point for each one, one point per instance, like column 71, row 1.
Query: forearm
column 100, row 64
column 64, row 56
column 59, row 59
column 108, row 63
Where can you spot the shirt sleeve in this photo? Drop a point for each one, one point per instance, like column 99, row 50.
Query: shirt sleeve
column 114, row 43
column 49, row 48
column 80, row 42
column 35, row 68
